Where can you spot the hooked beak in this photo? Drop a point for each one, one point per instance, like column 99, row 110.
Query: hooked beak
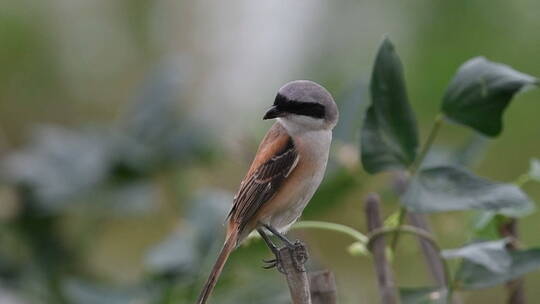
column 273, row 112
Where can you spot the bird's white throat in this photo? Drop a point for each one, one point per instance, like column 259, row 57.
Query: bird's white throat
column 297, row 124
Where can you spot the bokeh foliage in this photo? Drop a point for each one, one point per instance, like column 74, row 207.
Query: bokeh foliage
column 78, row 81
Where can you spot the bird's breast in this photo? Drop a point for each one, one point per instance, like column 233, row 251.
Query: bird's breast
column 289, row 202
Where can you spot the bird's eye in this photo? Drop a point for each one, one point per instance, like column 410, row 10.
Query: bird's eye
column 311, row 109
column 280, row 100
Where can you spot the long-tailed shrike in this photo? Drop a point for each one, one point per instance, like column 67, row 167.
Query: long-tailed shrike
column 287, row 169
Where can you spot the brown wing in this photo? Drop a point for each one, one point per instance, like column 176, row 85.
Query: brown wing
column 276, row 158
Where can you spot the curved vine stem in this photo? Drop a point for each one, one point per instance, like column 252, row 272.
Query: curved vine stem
column 357, row 235
column 439, row 119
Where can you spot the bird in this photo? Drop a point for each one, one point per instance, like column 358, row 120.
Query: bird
column 287, row 169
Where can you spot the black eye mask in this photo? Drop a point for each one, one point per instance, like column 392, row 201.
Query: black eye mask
column 283, row 104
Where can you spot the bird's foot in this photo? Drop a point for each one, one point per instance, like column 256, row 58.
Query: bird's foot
column 298, row 257
column 296, row 250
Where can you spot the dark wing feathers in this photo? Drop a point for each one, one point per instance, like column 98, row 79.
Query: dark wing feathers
column 262, row 184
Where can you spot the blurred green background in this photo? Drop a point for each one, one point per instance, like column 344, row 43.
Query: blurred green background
column 115, row 172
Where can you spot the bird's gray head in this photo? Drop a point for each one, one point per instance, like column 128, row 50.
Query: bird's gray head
column 304, row 105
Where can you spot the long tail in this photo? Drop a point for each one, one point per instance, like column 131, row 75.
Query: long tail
column 228, row 247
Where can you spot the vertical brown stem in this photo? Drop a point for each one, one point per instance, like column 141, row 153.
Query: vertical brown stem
column 385, row 277
column 431, row 256
column 515, row 288
column 323, row 287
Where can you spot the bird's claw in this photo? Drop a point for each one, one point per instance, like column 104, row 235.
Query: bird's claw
column 273, row 263
column 269, row 264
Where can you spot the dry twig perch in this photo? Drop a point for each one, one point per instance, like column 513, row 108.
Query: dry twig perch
column 292, row 265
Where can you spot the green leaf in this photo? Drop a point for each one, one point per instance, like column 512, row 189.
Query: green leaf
column 446, row 188
column 389, row 137
column 486, row 225
column 492, row 255
column 474, row 276
column 466, row 154
column 480, row 92
column 534, row 169
column 422, row 295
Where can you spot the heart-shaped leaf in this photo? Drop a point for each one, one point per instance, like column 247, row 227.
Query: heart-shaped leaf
column 480, row 92
column 492, row 255
column 389, row 135
column 474, row 276
column 466, row 154
column 446, row 188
